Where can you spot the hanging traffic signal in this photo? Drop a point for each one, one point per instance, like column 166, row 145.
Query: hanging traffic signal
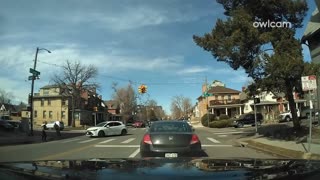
column 142, row 89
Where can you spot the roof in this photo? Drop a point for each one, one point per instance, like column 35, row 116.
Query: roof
column 222, row 90
column 313, row 25
column 111, row 104
column 50, row 86
column 7, row 107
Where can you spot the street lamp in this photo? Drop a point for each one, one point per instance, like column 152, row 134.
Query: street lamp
column 35, row 75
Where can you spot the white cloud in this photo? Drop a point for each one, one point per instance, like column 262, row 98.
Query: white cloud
column 193, row 69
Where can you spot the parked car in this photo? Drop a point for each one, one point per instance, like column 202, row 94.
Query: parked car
column 139, row 124
column 51, row 125
column 248, row 119
column 107, row 129
column 4, row 125
column 170, row 139
column 287, row 116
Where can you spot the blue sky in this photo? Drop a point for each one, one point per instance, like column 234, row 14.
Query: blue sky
column 145, row 41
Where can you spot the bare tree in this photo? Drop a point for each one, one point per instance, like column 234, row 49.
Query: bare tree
column 76, row 78
column 5, row 97
column 155, row 109
column 126, row 98
column 180, row 106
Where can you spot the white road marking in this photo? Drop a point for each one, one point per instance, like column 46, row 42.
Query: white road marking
column 70, row 140
column 222, row 135
column 239, row 132
column 128, row 140
column 213, row 140
column 88, row 140
column 224, row 131
column 134, row 153
column 216, row 145
column 117, row 146
column 106, row 141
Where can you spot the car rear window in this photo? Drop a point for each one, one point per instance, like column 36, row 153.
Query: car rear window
column 170, row 127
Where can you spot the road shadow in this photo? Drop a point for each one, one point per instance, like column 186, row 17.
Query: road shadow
column 284, row 132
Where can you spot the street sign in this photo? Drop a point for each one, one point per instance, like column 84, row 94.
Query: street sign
column 30, row 78
column 206, row 94
column 34, row 72
column 309, row 82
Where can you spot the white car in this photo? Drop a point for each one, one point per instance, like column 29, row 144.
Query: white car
column 107, row 129
column 51, row 125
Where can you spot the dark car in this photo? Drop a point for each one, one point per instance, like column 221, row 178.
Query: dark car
column 170, row 139
column 139, row 124
column 248, row 119
column 4, row 125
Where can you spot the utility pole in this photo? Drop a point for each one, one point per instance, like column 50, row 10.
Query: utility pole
column 35, row 74
column 31, row 96
column 207, row 102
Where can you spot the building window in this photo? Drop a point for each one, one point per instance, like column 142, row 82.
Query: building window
column 44, row 114
column 216, row 97
column 63, row 102
column 63, row 114
column 35, row 114
column 50, row 114
column 42, row 102
column 222, row 97
column 46, row 92
column 49, row 102
column 229, row 97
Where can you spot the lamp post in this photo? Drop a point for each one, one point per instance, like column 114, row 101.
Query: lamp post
column 35, row 74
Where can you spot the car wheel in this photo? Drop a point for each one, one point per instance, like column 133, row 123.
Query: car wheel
column 101, row 134
column 123, row 132
column 287, row 119
column 240, row 125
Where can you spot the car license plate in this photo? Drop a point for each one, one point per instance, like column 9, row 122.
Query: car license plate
column 170, row 155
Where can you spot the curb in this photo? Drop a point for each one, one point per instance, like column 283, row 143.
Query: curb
column 287, row 153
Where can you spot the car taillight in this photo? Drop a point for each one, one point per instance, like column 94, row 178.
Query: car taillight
column 147, row 139
column 194, row 139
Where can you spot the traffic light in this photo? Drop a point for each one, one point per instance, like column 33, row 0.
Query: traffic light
column 142, row 89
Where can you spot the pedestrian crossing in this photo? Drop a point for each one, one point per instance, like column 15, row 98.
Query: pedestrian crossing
column 127, row 142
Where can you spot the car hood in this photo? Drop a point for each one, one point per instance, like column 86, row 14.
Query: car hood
column 162, row 168
column 93, row 128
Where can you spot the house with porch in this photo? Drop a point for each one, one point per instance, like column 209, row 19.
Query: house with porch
column 221, row 100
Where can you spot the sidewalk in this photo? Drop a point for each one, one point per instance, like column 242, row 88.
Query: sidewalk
column 287, row 149
column 16, row 137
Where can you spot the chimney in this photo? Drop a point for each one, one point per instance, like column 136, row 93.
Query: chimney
column 204, row 86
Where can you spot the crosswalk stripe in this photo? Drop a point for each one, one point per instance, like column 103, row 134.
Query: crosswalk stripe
column 238, row 132
column 128, row 140
column 70, row 140
column 213, row 140
column 134, row 153
column 116, row 146
column 216, row 145
column 88, row 140
column 106, row 141
column 223, row 135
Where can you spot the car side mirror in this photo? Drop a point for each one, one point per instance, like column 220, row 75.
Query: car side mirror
column 108, row 126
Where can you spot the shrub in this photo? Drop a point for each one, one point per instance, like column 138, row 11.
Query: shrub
column 204, row 119
column 220, row 124
column 223, row 116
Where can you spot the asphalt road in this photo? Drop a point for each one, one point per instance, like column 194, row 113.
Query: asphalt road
column 216, row 143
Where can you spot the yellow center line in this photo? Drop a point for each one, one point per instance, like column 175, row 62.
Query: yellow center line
column 65, row 153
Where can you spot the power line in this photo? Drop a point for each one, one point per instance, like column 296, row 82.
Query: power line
column 128, row 80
